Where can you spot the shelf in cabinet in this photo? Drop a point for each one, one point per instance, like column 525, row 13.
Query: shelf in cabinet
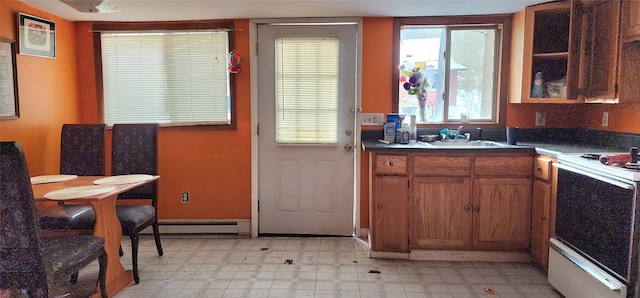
column 551, row 100
column 552, row 55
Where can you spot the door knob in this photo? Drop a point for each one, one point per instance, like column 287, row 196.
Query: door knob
column 347, row 147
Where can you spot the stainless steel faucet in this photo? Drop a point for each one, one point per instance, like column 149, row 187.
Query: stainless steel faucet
column 458, row 131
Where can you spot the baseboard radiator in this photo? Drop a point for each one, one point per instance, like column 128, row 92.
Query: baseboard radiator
column 240, row 227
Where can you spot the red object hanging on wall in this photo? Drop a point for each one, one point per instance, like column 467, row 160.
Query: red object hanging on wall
column 234, row 62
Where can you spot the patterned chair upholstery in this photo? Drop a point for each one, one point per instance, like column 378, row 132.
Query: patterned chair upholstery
column 30, row 264
column 82, row 153
column 134, row 150
column 82, row 149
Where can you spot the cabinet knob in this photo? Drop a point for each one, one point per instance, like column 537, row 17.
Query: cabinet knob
column 544, row 217
column 379, row 206
column 539, row 169
column 467, row 207
column 391, row 163
column 477, row 209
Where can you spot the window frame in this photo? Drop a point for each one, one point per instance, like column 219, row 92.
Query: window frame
column 502, row 66
column 98, row 28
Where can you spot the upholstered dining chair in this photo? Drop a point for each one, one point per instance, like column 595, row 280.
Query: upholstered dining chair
column 31, row 264
column 82, row 153
column 134, row 150
column 82, row 149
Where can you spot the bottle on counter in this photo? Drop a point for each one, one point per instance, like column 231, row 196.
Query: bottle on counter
column 413, row 129
column 404, row 134
column 634, row 154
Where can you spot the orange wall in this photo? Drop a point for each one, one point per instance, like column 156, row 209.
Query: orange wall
column 213, row 165
column 47, row 91
column 624, row 117
column 376, row 88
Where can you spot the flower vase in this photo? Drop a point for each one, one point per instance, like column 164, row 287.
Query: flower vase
column 422, row 107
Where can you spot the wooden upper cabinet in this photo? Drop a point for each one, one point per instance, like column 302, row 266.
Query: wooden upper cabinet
column 546, row 38
column 599, row 71
column 630, row 20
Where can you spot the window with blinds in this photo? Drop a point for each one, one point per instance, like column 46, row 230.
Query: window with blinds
column 174, row 77
column 307, row 90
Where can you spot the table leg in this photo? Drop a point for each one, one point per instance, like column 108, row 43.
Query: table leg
column 108, row 226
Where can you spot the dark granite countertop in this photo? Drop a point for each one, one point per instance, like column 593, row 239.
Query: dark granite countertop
column 375, row 145
column 554, row 149
column 549, row 142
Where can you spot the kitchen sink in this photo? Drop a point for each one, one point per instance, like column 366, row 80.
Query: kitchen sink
column 465, row 144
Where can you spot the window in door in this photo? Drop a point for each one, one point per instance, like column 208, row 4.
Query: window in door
column 449, row 71
column 307, row 90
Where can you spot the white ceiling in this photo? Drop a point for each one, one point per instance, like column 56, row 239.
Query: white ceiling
column 172, row 10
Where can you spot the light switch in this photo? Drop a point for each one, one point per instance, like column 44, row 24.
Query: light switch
column 372, row 118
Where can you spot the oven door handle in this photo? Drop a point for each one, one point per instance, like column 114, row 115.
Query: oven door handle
column 595, row 176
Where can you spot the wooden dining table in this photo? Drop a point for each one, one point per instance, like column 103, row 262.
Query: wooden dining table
column 107, row 224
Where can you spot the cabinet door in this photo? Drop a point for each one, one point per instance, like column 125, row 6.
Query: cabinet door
column 630, row 20
column 502, row 213
column 540, row 222
column 545, row 38
column 441, row 215
column 389, row 214
column 601, row 47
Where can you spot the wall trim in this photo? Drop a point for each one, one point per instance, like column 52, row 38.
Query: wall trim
column 241, row 227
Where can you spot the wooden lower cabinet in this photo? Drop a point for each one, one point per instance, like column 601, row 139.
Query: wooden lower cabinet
column 441, row 213
column 454, row 202
column 389, row 212
column 542, row 212
column 502, row 213
column 540, row 222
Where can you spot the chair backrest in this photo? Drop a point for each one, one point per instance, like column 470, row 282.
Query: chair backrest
column 21, row 257
column 82, row 149
column 134, row 150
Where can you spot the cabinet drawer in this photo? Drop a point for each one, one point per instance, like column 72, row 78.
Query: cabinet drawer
column 428, row 165
column 518, row 165
column 391, row 164
column 541, row 168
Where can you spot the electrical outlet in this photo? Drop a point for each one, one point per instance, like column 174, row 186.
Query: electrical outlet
column 185, row 197
column 541, row 119
column 372, row 118
column 605, row 118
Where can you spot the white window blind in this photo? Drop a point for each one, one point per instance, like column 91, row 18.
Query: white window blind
column 307, row 90
column 166, row 77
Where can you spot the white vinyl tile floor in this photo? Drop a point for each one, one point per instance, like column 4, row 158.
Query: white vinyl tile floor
column 227, row 266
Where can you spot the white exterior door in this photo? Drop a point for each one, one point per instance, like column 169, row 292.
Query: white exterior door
column 306, row 98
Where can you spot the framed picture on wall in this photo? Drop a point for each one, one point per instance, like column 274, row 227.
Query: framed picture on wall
column 36, row 36
column 8, row 80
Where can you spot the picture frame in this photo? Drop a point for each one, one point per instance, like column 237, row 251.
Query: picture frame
column 36, row 36
column 9, row 108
